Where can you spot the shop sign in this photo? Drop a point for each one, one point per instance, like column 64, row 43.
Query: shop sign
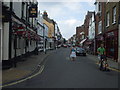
column 33, row 11
column 18, row 30
column 5, row 16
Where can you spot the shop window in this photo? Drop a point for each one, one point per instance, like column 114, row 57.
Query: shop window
column 110, row 46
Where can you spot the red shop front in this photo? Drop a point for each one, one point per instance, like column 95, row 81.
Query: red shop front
column 111, row 44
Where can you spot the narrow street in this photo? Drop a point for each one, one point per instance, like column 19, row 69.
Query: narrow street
column 60, row 72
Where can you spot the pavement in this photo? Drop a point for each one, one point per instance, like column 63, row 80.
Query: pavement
column 24, row 68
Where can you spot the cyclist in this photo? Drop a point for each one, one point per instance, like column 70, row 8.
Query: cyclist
column 101, row 55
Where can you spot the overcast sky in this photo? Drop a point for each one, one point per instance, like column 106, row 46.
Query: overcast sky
column 68, row 15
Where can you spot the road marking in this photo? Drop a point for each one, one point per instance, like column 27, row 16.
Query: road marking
column 41, row 70
column 111, row 68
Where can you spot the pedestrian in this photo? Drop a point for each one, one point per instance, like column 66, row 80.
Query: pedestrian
column 73, row 53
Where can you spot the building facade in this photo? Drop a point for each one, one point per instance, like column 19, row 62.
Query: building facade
column 99, row 23
column 51, row 29
column 18, row 32
column 91, row 33
column 80, row 34
column 111, row 29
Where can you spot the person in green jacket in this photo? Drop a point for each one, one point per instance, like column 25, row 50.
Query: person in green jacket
column 101, row 52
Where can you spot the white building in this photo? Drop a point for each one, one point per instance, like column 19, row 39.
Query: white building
column 91, row 33
column 42, row 31
column 18, row 32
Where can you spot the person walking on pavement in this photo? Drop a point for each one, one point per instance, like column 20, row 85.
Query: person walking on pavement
column 73, row 53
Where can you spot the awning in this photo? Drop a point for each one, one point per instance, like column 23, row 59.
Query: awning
column 83, row 41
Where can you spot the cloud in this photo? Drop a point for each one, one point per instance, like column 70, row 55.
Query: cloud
column 68, row 15
column 68, row 27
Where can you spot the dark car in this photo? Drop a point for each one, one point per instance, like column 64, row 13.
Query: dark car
column 80, row 51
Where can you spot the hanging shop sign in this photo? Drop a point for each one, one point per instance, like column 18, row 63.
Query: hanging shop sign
column 33, row 11
column 19, row 30
column 5, row 14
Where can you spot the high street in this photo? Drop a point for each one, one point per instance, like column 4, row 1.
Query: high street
column 60, row 72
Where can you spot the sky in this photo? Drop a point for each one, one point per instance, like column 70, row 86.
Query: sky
column 68, row 15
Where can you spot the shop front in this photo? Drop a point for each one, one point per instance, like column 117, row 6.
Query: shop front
column 111, row 44
column 18, row 38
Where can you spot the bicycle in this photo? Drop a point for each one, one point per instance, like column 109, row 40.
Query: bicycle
column 103, row 64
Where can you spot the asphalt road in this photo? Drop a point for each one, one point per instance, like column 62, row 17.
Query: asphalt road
column 61, row 72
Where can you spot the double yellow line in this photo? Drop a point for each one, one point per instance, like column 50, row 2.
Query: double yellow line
column 112, row 69
column 41, row 70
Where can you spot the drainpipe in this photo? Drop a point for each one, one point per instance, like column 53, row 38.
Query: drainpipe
column 10, row 36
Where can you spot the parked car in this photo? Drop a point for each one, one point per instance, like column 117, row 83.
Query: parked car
column 80, row 51
column 64, row 45
column 58, row 46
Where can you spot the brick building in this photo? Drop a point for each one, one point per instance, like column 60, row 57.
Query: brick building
column 99, row 23
column 86, row 23
column 80, row 34
column 111, row 29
